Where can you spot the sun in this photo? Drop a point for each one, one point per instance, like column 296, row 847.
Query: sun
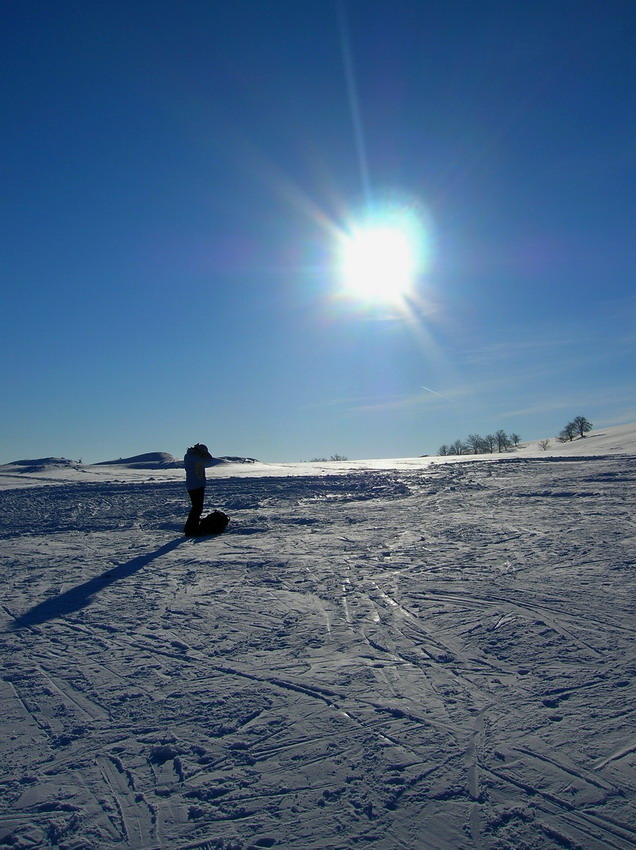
column 379, row 259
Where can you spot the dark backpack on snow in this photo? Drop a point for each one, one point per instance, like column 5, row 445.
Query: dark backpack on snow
column 213, row 523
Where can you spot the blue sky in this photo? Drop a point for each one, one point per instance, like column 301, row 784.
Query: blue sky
column 176, row 174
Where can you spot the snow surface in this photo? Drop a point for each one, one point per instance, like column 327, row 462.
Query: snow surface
column 420, row 653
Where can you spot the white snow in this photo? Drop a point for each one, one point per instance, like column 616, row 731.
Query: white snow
column 414, row 653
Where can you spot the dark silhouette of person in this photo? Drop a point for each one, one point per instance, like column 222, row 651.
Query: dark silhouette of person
column 196, row 459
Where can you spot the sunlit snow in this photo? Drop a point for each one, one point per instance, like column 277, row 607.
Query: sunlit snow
column 414, row 653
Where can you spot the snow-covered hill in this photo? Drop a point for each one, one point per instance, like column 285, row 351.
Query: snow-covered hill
column 620, row 439
column 42, row 464
column 390, row 654
column 150, row 460
column 155, row 466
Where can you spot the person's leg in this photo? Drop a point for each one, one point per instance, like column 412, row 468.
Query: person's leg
column 192, row 524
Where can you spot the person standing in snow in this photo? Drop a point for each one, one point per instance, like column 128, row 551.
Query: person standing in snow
column 196, row 459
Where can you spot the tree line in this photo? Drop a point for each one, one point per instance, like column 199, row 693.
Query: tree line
column 475, row 444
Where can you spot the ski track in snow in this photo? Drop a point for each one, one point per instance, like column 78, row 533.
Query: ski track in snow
column 440, row 658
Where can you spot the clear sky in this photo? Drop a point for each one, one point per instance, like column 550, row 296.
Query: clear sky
column 177, row 175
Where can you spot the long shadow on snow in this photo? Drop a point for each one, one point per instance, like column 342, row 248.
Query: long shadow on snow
column 81, row 596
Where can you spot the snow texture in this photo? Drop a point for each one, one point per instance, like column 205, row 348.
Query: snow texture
column 409, row 654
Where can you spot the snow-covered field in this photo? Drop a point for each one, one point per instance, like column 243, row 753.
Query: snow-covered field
column 401, row 654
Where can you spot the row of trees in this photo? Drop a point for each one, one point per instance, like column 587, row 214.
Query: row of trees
column 579, row 425
column 475, row 444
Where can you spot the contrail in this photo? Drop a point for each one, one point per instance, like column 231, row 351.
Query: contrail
column 429, row 390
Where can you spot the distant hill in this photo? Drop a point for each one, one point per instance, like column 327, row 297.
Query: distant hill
column 151, row 460
column 43, row 463
column 163, row 460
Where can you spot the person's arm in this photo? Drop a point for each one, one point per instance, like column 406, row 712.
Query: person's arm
column 208, row 459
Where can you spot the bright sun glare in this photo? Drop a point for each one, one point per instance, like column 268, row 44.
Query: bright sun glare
column 379, row 260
